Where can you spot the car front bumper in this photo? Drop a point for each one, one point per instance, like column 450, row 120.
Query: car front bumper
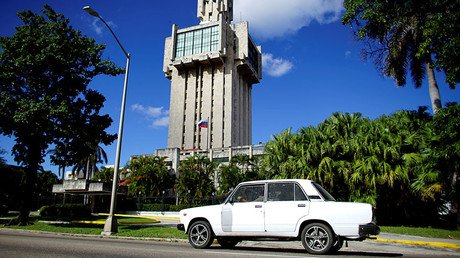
column 181, row 227
column 368, row 229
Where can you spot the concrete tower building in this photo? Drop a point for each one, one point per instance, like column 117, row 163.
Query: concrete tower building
column 212, row 67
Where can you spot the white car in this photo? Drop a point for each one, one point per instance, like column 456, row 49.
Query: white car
column 288, row 210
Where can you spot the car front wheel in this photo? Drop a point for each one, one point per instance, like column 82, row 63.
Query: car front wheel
column 200, row 235
column 317, row 238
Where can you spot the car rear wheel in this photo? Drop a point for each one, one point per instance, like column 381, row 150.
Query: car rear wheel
column 228, row 243
column 200, row 235
column 317, row 238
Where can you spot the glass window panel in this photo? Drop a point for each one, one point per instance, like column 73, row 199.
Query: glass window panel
column 188, row 43
column 214, row 38
column 253, row 55
column 180, row 45
column 206, row 40
column 249, row 193
column 197, row 41
column 278, row 192
column 299, row 194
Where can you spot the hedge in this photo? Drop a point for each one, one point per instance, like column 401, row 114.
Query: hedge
column 65, row 211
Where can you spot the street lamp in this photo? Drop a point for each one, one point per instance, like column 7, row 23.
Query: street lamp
column 111, row 225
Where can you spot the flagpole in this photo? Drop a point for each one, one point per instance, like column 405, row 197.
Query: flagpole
column 207, row 134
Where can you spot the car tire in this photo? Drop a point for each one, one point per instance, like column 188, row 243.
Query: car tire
column 200, row 235
column 317, row 238
column 227, row 243
column 337, row 245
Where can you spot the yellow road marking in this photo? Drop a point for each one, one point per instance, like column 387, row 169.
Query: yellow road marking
column 410, row 242
column 145, row 217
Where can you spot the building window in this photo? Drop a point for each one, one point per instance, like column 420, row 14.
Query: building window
column 197, row 41
column 253, row 55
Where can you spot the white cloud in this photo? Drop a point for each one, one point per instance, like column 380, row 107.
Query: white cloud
column 158, row 116
column 161, row 122
column 347, row 54
column 275, row 67
column 98, row 26
column 276, row 18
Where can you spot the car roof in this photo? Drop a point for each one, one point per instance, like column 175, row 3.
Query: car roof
column 277, row 180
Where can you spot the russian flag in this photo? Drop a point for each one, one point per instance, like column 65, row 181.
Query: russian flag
column 203, row 124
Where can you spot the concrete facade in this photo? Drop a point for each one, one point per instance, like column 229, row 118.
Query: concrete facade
column 212, row 68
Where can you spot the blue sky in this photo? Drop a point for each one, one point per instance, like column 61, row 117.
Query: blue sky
column 312, row 66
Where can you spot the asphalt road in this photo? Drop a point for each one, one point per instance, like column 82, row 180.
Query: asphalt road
column 28, row 244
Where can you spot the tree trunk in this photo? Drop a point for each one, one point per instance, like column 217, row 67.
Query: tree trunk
column 63, row 173
column 29, row 181
column 434, row 90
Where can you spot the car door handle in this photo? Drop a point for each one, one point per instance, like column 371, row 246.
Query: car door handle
column 301, row 205
column 258, row 206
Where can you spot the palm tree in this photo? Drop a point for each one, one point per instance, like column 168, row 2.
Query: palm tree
column 403, row 44
column 88, row 165
column 61, row 157
column 397, row 40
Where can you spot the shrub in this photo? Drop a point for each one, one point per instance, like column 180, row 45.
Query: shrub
column 3, row 210
column 166, row 207
column 65, row 211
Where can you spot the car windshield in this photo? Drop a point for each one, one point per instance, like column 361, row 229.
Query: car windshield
column 326, row 196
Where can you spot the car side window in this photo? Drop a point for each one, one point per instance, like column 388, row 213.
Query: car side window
column 249, row 193
column 278, row 192
column 299, row 194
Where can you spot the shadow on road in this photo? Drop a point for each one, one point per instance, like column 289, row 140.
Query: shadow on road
column 300, row 251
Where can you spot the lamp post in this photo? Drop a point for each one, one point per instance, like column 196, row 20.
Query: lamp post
column 111, row 225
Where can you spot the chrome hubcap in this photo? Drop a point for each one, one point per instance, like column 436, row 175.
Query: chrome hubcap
column 199, row 234
column 316, row 238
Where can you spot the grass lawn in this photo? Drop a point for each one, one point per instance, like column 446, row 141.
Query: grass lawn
column 423, row 232
column 96, row 229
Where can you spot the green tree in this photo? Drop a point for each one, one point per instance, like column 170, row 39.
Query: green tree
column 446, row 152
column 45, row 69
column 88, row 165
column 240, row 168
column 44, row 185
column 406, row 35
column 10, row 191
column 105, row 175
column 149, row 176
column 375, row 161
column 196, row 175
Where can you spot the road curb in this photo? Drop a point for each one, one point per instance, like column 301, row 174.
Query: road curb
column 173, row 240
column 421, row 243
